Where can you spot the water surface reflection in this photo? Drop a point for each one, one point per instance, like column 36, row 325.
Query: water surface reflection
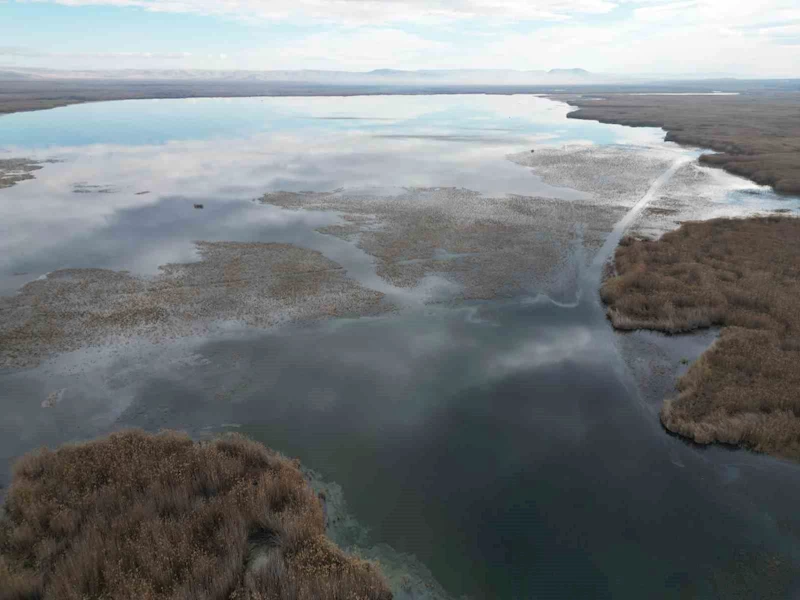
column 503, row 444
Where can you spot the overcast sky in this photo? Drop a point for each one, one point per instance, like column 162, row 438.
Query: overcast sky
column 758, row 38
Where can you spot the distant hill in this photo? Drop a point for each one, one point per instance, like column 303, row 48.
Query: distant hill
column 14, row 76
column 375, row 77
column 570, row 72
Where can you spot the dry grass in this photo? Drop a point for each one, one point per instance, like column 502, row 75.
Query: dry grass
column 756, row 135
column 145, row 517
column 743, row 275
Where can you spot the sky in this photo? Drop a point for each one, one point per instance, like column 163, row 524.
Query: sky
column 745, row 38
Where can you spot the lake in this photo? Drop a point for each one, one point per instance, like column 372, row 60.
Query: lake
column 481, row 445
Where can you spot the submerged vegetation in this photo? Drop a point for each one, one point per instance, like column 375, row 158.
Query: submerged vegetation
column 492, row 246
column 259, row 284
column 744, row 276
column 14, row 170
column 153, row 517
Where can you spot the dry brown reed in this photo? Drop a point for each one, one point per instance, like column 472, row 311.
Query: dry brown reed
column 755, row 135
column 742, row 275
column 146, row 517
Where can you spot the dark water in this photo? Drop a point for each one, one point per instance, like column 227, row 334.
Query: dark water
column 501, row 444
column 504, row 445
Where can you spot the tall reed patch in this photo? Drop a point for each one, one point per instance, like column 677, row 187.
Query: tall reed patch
column 739, row 274
column 157, row 517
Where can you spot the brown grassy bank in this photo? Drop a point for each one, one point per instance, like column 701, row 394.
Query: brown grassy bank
column 145, row 517
column 742, row 275
column 757, row 135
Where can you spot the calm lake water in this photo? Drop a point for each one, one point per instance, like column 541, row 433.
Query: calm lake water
column 502, row 446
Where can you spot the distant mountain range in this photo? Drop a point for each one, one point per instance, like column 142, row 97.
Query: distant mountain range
column 376, row 77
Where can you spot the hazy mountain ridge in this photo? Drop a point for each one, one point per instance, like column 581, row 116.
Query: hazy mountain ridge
column 378, row 76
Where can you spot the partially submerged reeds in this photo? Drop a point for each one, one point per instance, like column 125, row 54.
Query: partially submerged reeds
column 257, row 284
column 489, row 246
column 744, row 276
column 14, row 170
column 755, row 135
column 146, row 517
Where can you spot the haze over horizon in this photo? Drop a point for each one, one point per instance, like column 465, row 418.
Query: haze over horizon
column 666, row 38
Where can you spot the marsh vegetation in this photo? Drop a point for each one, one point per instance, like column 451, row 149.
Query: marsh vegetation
column 494, row 246
column 741, row 275
column 14, row 170
column 259, row 284
column 157, row 517
column 756, row 135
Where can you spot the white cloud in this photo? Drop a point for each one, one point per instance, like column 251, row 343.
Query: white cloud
column 740, row 37
column 671, row 37
column 19, row 52
column 729, row 13
column 361, row 49
column 570, row 344
column 663, row 10
column 369, row 11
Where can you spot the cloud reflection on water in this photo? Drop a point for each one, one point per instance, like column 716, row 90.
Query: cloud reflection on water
column 496, row 443
column 45, row 225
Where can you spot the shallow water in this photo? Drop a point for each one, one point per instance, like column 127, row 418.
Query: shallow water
column 504, row 445
column 153, row 159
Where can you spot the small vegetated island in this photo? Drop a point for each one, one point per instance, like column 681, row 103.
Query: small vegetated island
column 149, row 517
column 739, row 274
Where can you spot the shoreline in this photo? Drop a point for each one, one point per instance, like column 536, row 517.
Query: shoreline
column 742, row 389
column 770, row 155
column 725, row 420
column 30, row 96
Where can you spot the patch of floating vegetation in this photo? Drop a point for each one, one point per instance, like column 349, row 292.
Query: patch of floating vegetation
column 87, row 188
column 256, row 284
column 490, row 246
column 14, row 170
column 161, row 517
column 615, row 175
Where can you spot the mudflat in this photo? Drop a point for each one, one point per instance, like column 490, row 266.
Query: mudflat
column 755, row 134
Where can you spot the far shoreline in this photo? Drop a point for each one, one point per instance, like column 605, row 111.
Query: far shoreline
column 27, row 95
column 760, row 145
